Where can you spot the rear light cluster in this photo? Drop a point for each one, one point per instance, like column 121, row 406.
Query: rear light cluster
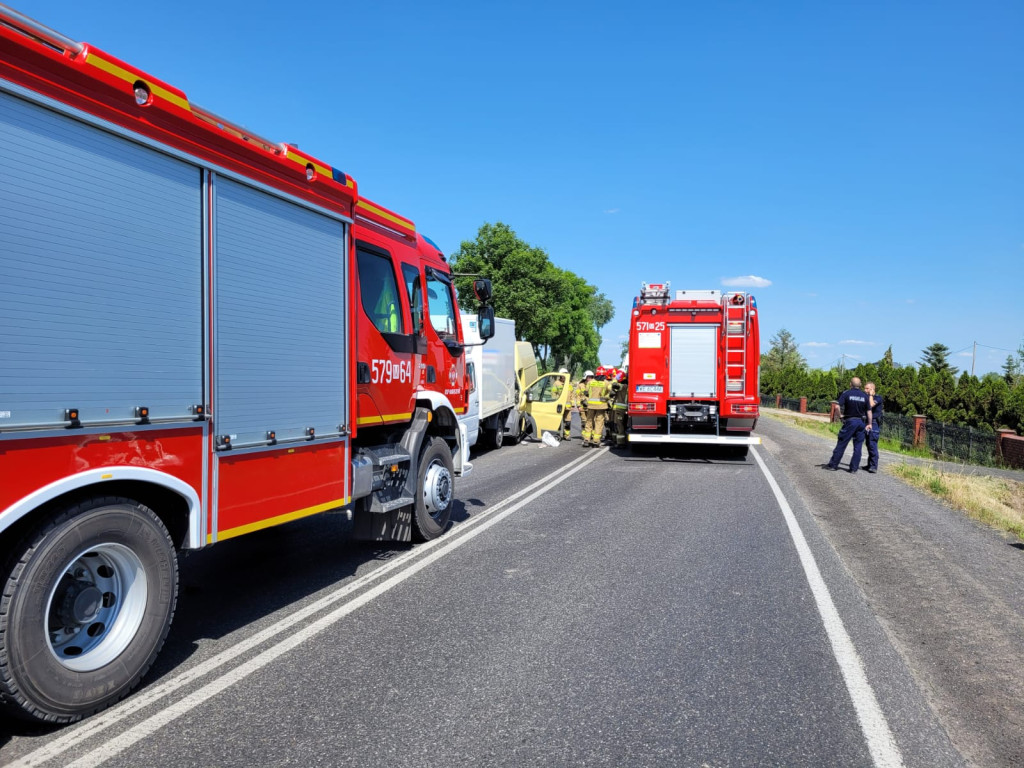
column 641, row 407
column 745, row 409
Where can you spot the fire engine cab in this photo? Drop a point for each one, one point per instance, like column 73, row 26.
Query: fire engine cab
column 205, row 333
column 694, row 367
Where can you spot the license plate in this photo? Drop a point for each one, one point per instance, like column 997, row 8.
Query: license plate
column 655, row 388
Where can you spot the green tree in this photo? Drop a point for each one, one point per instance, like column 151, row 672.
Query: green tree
column 887, row 359
column 783, row 353
column 1011, row 369
column 936, row 357
column 554, row 309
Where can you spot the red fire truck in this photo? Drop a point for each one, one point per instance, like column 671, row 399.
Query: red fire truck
column 205, row 333
column 694, row 368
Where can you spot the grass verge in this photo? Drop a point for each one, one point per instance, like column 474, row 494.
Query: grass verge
column 995, row 501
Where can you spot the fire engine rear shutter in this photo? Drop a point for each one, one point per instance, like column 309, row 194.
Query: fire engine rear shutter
column 100, row 273
column 280, row 317
column 693, row 360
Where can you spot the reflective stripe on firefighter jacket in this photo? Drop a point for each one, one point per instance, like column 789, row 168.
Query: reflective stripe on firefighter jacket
column 597, row 395
column 580, row 395
column 621, row 397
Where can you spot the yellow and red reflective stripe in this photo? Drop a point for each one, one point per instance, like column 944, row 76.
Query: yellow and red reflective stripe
column 363, row 420
column 272, row 521
column 130, row 77
column 393, row 218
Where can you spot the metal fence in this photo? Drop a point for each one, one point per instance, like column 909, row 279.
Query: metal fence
column 791, row 404
column 945, row 441
column 963, row 443
column 898, row 428
column 819, row 406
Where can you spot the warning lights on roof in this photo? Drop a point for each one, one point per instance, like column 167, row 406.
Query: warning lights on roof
column 738, row 299
column 310, row 172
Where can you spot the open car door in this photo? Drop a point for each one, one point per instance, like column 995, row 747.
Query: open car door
column 543, row 404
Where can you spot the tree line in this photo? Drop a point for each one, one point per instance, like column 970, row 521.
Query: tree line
column 934, row 387
column 554, row 309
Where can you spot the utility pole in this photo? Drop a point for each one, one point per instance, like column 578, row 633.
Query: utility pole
column 974, row 354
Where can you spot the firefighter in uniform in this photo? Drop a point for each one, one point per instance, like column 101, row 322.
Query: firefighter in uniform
column 620, row 397
column 853, row 404
column 580, row 397
column 597, row 407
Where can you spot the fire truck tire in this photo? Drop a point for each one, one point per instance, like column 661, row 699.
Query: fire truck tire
column 495, row 438
column 435, row 491
column 86, row 605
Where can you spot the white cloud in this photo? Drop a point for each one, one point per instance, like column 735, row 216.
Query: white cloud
column 858, row 341
column 746, row 281
column 815, row 344
column 612, row 210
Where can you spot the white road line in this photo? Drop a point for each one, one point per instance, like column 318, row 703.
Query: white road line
column 881, row 744
column 117, row 744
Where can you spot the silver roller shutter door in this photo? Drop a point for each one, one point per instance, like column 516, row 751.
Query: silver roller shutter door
column 281, row 314
column 100, row 273
column 693, row 362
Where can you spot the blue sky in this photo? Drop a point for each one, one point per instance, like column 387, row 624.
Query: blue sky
column 861, row 163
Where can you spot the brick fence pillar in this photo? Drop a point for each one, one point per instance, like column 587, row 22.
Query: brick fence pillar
column 1001, row 435
column 803, row 405
column 833, row 413
column 778, row 401
column 920, row 432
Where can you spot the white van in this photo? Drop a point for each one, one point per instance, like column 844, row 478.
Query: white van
column 492, row 410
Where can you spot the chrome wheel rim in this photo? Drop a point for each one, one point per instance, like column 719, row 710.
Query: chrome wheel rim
column 96, row 607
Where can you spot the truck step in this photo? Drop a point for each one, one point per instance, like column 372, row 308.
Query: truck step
column 387, row 506
column 391, row 458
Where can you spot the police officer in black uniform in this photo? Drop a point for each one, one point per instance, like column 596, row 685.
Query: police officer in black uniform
column 853, row 404
column 873, row 431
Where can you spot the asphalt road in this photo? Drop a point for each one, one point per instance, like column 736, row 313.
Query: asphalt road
column 588, row 608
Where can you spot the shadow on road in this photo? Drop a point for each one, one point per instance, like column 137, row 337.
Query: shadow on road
column 236, row 583
column 694, row 454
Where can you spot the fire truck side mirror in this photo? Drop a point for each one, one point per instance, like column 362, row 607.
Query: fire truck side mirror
column 482, row 289
column 485, row 321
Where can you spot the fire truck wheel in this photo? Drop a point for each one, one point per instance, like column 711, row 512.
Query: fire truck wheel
column 86, row 605
column 435, row 491
column 495, row 437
